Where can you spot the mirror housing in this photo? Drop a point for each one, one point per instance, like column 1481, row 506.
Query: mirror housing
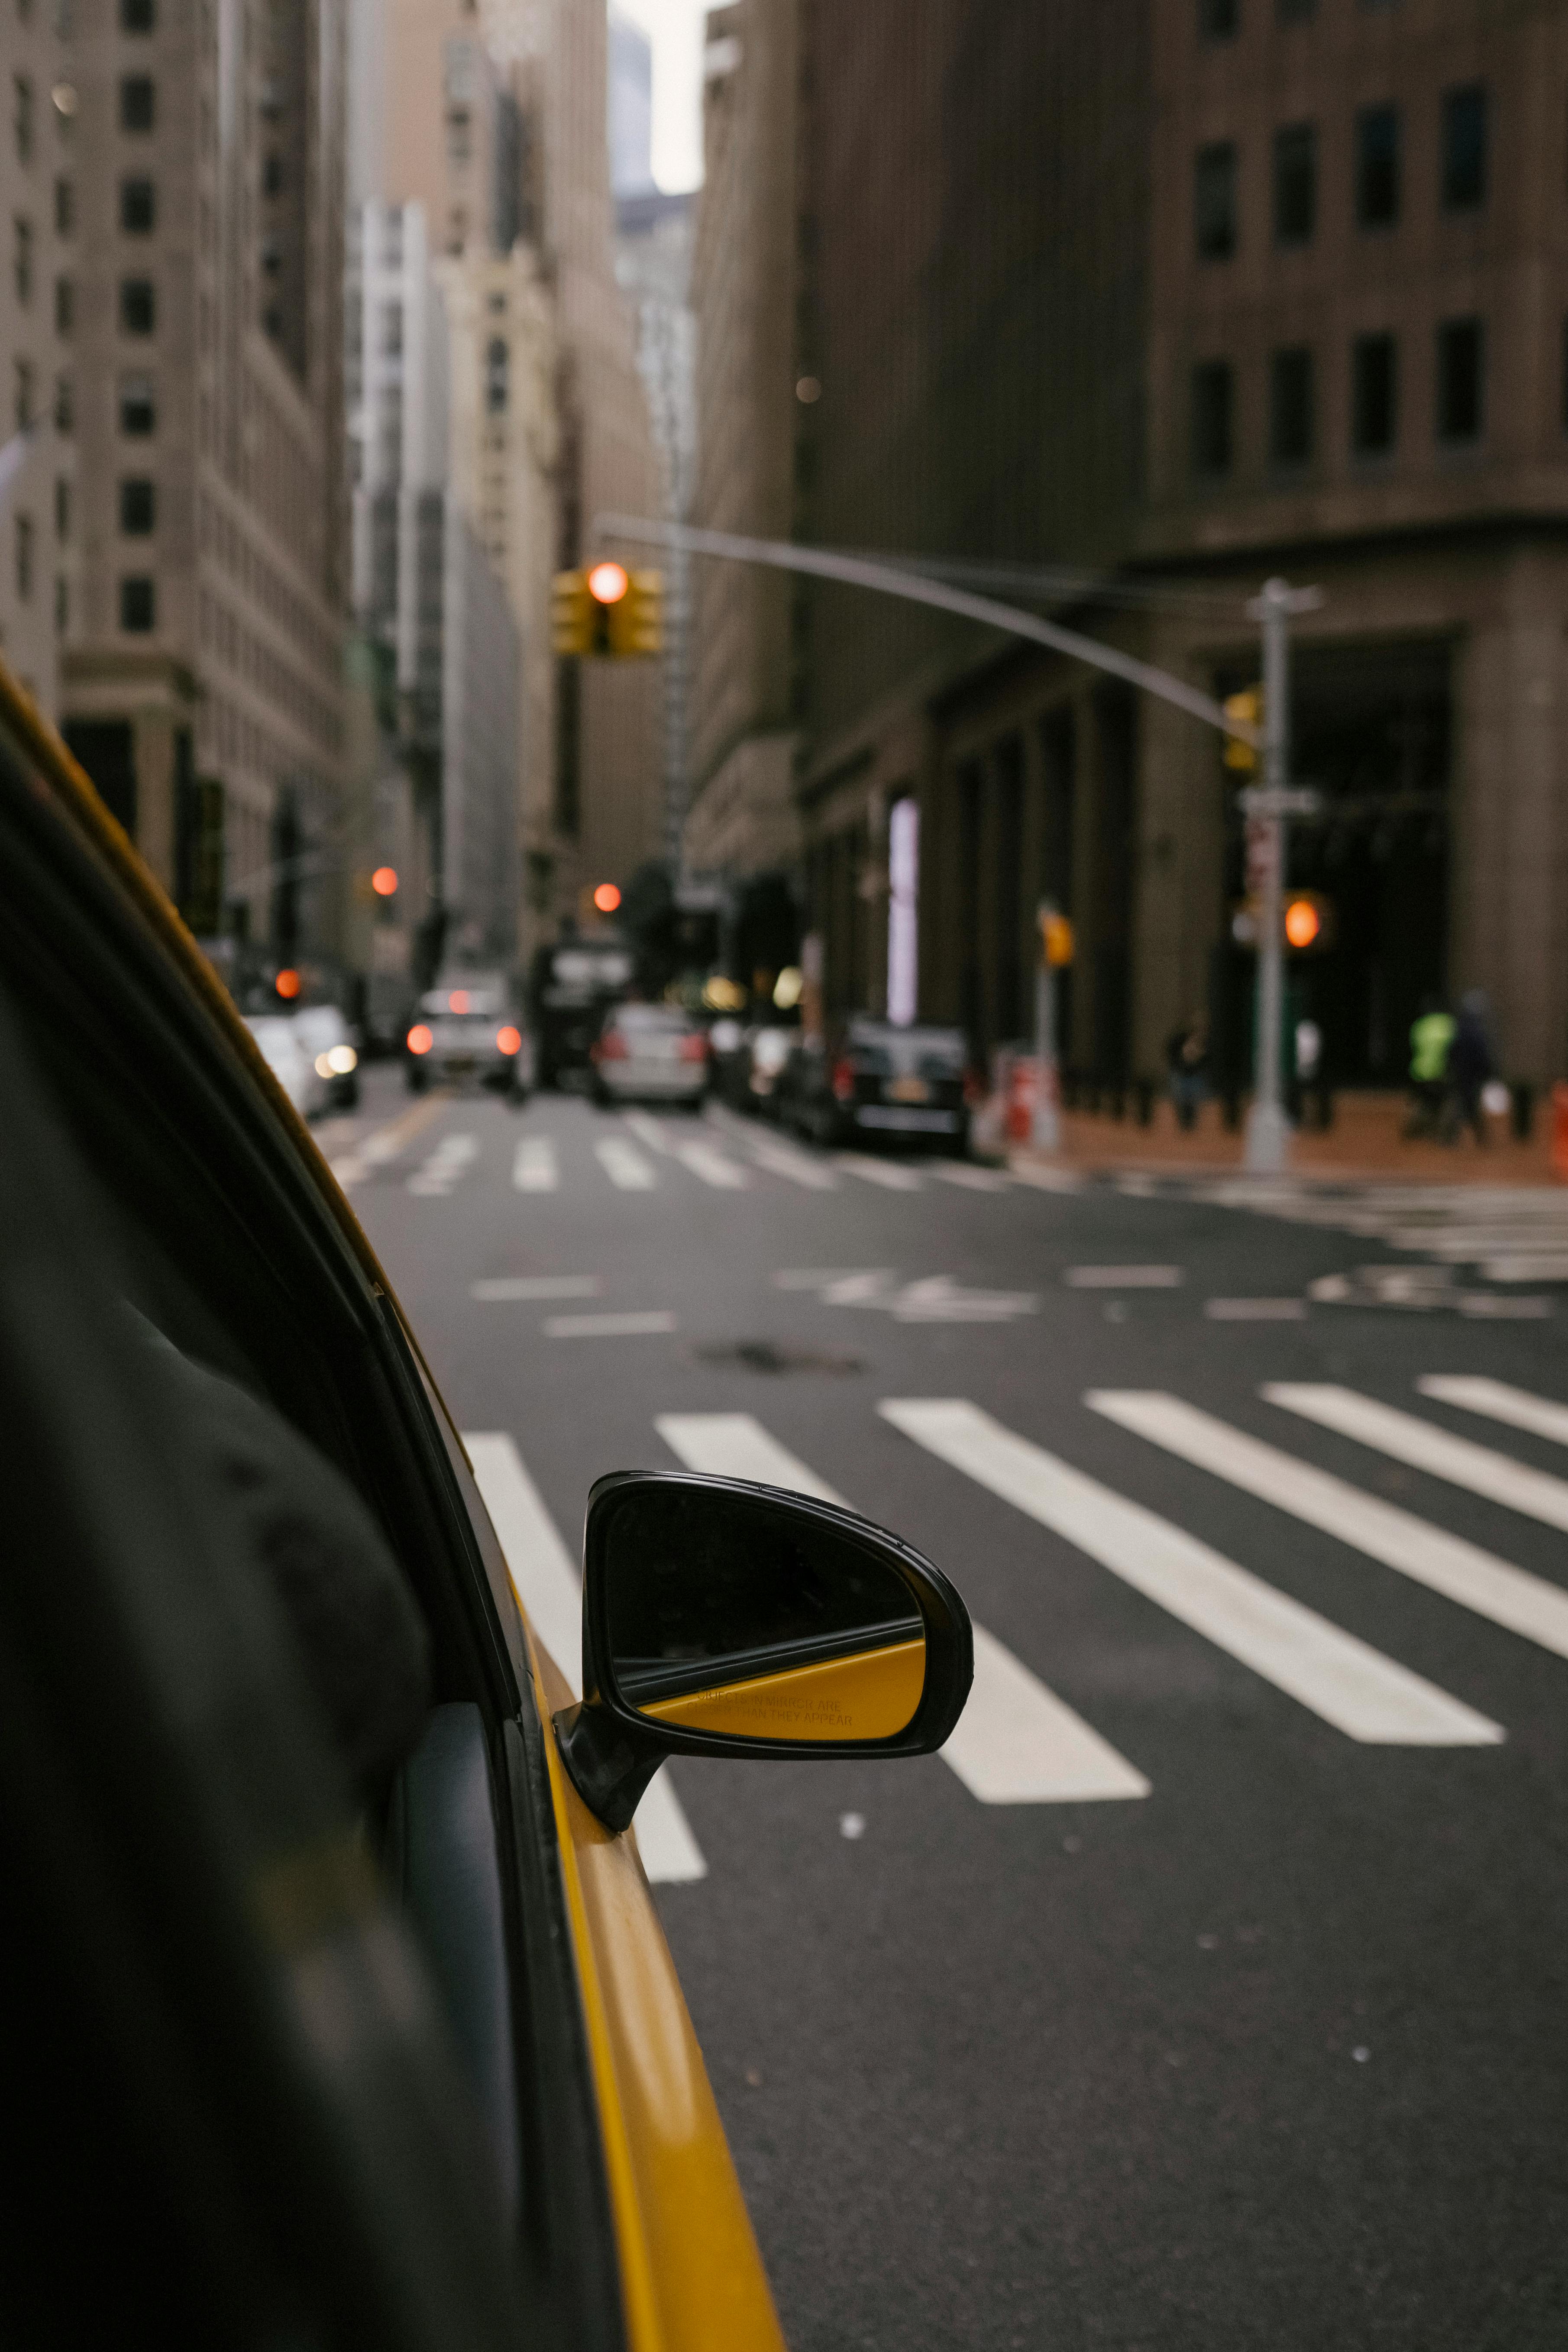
column 832, row 1664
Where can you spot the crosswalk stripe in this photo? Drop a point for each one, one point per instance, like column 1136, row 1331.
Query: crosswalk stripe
column 706, row 1161
column 780, row 1160
column 1539, row 1415
column 623, row 1164
column 1349, row 1684
column 646, row 1130
column 1533, row 1493
column 1015, row 1743
column 886, row 1172
column 546, row 1584
column 533, row 1167
column 973, row 1179
column 1445, row 1563
column 450, row 1160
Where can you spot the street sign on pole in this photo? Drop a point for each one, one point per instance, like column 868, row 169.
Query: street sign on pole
column 1268, row 1128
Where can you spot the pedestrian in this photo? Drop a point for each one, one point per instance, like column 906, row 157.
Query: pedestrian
column 1431, row 1034
column 1469, row 1066
column 1187, row 1061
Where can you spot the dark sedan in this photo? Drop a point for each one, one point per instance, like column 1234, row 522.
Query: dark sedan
column 877, row 1081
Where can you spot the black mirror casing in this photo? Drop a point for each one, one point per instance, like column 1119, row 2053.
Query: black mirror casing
column 612, row 1749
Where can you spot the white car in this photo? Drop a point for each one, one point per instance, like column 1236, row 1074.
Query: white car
column 651, row 1052
column 291, row 1061
column 327, row 1039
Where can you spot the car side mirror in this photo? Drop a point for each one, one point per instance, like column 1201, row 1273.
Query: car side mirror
column 725, row 1619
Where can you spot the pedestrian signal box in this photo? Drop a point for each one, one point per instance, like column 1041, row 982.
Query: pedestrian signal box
column 607, row 613
column 1247, row 706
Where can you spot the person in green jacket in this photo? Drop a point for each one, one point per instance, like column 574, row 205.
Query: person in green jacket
column 1431, row 1035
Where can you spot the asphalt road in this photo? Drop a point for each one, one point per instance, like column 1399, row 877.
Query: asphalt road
column 1273, row 2054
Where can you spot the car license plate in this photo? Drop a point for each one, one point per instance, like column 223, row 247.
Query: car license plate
column 909, row 1090
column 459, row 1061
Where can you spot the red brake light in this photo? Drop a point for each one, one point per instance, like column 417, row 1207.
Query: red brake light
column 419, row 1039
column 843, row 1081
column 694, row 1049
column 510, row 1040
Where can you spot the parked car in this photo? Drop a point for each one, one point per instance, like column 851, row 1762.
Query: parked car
column 747, row 1075
column 336, row 1996
column 574, row 985
column 467, row 1027
column 326, row 1036
column 651, row 1052
column 876, row 1081
column 291, row 1061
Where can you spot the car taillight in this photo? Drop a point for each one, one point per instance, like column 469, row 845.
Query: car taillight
column 419, row 1039
column 611, row 1047
column 509, row 1040
column 694, row 1049
column 843, row 1081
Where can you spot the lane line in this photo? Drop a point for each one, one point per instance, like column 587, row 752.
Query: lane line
column 1445, row 1563
column 1256, row 1310
column 388, row 1142
column 536, row 1286
column 535, row 1168
column 1344, row 1681
column 1535, row 1493
column 1124, row 1278
column 1539, row 1415
column 706, row 1161
column 607, row 1327
column 886, row 1172
column 623, row 1164
column 446, row 1167
column 546, row 1584
column 1016, row 1743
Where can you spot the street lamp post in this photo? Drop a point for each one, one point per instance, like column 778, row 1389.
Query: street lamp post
column 1268, row 1128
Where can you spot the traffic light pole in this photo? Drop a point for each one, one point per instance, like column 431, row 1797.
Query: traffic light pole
column 1268, row 1128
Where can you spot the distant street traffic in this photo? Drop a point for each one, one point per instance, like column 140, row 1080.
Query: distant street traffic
column 1210, row 1986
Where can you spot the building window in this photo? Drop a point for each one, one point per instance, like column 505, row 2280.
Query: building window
column 22, row 117
column 62, row 606
column 272, row 175
column 64, row 306
column 1290, row 421
column 136, row 16
column 1218, row 20
column 1377, row 166
column 138, row 208
column 137, row 102
column 62, row 508
column 65, row 208
column 24, row 542
column 1213, row 406
column 138, row 406
column 1295, row 184
column 1461, row 369
column 23, row 394
column 1465, row 148
column 495, row 377
column 24, row 261
column 138, row 606
column 460, row 140
column 138, row 507
column 64, row 406
column 138, row 306
column 1213, row 201
column 392, row 330
column 1374, row 395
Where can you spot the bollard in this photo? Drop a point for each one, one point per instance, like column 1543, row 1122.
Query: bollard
column 1560, row 1132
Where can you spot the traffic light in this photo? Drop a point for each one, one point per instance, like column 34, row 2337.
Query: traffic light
column 1309, row 921
column 1247, row 706
column 607, row 612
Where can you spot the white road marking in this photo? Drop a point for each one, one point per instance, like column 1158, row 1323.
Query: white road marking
column 1124, row 1278
column 1445, row 1563
column 936, row 1298
column 812, row 1278
column 1539, row 1415
column 448, row 1163
column 706, row 1161
column 1256, row 1310
column 972, row 1178
column 780, row 1160
column 1463, row 1464
column 503, row 1286
column 1015, row 1743
column 535, row 1168
column 1350, row 1684
column 646, row 1130
column 1044, row 1179
column 623, row 1164
column 607, row 1327
column 387, row 1143
column 886, row 1172
column 546, row 1584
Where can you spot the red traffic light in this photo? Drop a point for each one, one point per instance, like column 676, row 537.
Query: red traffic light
column 384, row 881
column 606, row 898
column 607, row 583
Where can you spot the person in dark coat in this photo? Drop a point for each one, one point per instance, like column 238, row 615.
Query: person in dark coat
column 1469, row 1066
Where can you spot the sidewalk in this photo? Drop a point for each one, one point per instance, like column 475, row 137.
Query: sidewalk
column 1365, row 1143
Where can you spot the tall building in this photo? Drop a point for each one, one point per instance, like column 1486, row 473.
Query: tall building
column 38, row 296
column 202, row 680
column 1163, row 297
column 753, row 388
column 630, row 106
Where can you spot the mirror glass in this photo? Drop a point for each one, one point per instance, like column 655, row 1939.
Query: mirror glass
column 747, row 1615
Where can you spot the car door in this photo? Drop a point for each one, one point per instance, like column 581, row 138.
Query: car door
column 218, row 1227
